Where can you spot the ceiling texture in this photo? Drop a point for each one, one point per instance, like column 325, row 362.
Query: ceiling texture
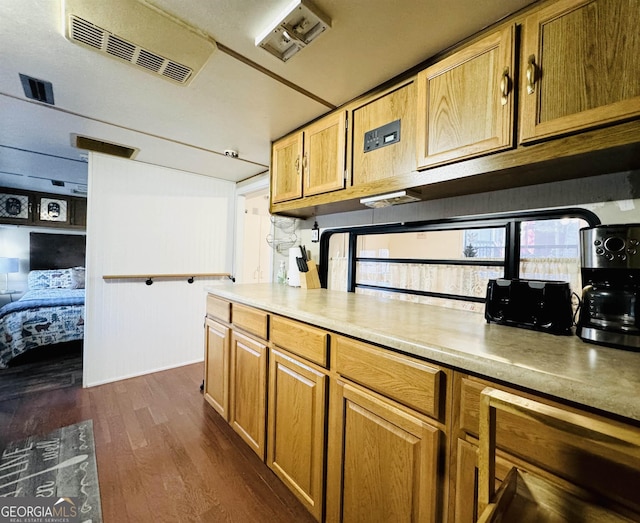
column 241, row 100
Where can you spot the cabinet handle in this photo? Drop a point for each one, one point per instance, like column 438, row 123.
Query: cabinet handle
column 305, row 161
column 298, row 164
column 531, row 75
column 505, row 86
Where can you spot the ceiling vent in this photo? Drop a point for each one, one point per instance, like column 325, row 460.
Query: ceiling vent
column 139, row 34
column 100, row 146
column 35, row 89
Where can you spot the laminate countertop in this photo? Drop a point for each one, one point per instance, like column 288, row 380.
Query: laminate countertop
column 564, row 367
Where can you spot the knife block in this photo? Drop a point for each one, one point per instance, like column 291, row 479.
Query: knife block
column 310, row 279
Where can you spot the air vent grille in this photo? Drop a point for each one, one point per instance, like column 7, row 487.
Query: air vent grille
column 85, row 32
column 120, row 48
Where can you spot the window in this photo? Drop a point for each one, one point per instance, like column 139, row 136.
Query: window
column 449, row 262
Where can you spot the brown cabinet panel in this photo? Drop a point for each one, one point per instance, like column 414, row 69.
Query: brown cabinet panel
column 301, row 339
column 216, row 367
column 248, row 390
column 389, row 463
column 390, row 160
column 466, row 102
column 571, row 458
column 218, row 308
column 580, row 67
column 404, row 379
column 251, row 320
column 286, row 168
column 296, row 428
column 324, row 154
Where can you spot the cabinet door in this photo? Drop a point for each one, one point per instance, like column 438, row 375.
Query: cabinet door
column 286, row 168
column 580, row 66
column 324, row 154
column 297, row 412
column 247, row 401
column 216, row 367
column 389, row 160
column 388, row 462
column 465, row 102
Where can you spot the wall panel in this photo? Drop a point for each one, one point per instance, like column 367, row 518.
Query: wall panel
column 144, row 219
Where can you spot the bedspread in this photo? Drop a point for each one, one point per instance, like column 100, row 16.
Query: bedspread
column 40, row 317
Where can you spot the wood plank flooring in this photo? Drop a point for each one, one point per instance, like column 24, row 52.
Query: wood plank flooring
column 163, row 454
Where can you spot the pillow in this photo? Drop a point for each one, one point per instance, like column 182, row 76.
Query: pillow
column 49, row 279
column 77, row 277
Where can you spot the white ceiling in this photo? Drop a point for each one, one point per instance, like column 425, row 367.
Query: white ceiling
column 229, row 105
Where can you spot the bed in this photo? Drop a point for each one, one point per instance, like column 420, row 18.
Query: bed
column 50, row 312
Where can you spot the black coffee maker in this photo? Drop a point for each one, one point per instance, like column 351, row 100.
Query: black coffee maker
column 610, row 257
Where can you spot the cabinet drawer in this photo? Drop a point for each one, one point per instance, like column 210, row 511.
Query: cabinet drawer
column 301, row 339
column 404, row 379
column 218, row 308
column 582, row 460
column 251, row 320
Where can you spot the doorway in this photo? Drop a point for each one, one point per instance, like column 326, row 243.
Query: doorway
column 256, row 260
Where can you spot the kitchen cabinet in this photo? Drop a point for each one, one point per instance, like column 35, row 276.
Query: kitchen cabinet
column 248, row 376
column 296, row 427
column 384, row 154
column 579, row 67
column 217, row 340
column 562, row 458
column 386, row 456
column 216, row 366
column 387, row 461
column 310, row 162
column 248, row 390
column 466, row 102
column 297, row 413
column 286, row 168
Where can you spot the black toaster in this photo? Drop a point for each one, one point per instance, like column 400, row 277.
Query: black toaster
column 530, row 304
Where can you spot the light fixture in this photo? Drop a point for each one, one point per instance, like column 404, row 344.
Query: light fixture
column 295, row 28
column 8, row 265
column 392, row 198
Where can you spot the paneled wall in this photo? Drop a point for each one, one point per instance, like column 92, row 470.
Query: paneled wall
column 144, row 219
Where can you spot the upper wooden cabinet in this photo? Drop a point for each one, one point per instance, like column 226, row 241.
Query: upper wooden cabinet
column 286, row 168
column 580, row 67
column 466, row 102
column 323, row 161
column 311, row 161
column 390, row 149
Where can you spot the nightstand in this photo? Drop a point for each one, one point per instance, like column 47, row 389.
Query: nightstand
column 9, row 293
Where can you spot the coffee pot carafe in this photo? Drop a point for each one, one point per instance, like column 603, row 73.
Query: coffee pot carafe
column 610, row 260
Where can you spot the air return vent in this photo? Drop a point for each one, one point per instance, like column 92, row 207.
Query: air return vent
column 100, row 146
column 140, row 34
column 37, row 89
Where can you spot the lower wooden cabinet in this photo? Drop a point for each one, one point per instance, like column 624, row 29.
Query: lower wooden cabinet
column 248, row 390
column 296, row 427
column 576, row 462
column 216, row 366
column 384, row 464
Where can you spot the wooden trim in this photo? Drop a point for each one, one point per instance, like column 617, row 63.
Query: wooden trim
column 172, row 276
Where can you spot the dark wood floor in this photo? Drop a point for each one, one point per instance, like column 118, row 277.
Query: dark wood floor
column 163, row 454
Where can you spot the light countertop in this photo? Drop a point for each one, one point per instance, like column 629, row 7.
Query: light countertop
column 604, row 378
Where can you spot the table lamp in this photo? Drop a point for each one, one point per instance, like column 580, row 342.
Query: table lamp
column 8, row 265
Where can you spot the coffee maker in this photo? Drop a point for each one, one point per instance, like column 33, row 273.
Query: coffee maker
column 610, row 259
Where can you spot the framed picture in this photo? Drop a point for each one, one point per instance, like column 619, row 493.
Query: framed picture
column 14, row 206
column 53, row 210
